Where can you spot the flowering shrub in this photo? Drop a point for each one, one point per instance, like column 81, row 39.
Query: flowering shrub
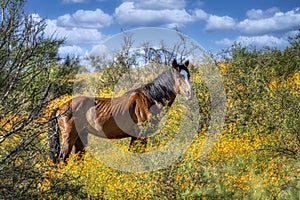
column 254, row 157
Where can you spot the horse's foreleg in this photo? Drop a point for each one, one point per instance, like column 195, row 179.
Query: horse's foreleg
column 81, row 142
column 83, row 136
column 132, row 141
column 79, row 148
column 143, row 144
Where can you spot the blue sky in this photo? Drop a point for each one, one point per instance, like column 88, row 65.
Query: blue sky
column 214, row 24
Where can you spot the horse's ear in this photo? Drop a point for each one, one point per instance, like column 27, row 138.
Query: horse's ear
column 175, row 65
column 186, row 63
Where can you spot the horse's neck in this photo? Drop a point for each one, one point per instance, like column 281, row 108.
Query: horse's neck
column 162, row 99
column 161, row 94
column 171, row 100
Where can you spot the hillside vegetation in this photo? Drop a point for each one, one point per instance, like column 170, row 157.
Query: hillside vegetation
column 255, row 156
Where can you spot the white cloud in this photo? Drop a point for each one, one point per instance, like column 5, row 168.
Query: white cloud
column 85, row 19
column 73, row 35
column 219, row 23
column 99, row 50
column 200, row 14
column 198, row 3
column 291, row 34
column 270, row 22
column 260, row 14
column 73, row 50
column 259, row 28
column 168, row 13
column 83, row 36
column 160, row 5
column 259, row 22
column 80, row 28
column 258, row 41
column 225, row 42
column 128, row 14
column 74, row 1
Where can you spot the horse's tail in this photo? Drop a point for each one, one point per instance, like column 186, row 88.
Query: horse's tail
column 53, row 137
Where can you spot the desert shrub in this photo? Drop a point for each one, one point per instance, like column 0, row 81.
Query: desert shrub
column 255, row 156
column 26, row 58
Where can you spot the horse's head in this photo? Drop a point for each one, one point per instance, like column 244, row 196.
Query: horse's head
column 182, row 79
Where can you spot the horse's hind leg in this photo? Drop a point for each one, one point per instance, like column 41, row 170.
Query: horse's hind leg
column 79, row 146
column 69, row 136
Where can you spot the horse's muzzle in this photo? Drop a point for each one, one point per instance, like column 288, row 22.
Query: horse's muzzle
column 189, row 95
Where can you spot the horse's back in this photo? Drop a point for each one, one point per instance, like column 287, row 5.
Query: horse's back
column 118, row 117
column 108, row 117
column 76, row 105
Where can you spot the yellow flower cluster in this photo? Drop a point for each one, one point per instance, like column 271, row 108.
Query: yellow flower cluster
column 292, row 82
column 222, row 66
column 237, row 165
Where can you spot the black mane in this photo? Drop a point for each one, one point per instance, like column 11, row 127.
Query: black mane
column 161, row 88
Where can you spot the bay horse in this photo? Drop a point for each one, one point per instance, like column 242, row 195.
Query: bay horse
column 115, row 118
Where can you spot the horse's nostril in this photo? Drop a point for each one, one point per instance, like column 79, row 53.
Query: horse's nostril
column 191, row 94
